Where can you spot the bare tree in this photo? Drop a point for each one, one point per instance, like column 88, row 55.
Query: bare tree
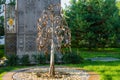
column 53, row 32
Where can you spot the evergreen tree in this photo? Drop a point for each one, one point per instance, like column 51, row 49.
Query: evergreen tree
column 92, row 22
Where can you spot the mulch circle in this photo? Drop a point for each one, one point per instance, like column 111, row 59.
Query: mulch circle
column 92, row 75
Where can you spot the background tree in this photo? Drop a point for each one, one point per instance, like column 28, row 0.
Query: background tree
column 1, row 17
column 1, row 25
column 93, row 22
column 118, row 28
column 2, row 5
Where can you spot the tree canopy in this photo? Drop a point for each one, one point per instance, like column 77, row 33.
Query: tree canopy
column 94, row 23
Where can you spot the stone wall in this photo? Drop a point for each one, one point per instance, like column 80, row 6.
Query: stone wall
column 27, row 14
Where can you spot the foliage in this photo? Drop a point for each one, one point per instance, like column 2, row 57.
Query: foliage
column 55, row 58
column 72, row 58
column 12, row 60
column 2, row 1
column 43, row 59
column 1, row 53
column 94, row 23
column 40, row 58
column 12, row 2
column 53, row 32
column 1, row 46
column 118, row 5
column 25, row 60
column 1, row 26
column 52, row 26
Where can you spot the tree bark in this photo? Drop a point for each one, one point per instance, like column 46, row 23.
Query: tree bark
column 52, row 68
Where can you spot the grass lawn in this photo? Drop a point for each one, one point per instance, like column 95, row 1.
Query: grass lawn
column 107, row 52
column 4, row 70
column 107, row 70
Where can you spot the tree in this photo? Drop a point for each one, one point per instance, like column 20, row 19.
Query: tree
column 91, row 22
column 1, row 26
column 2, row 2
column 52, row 33
column 2, row 5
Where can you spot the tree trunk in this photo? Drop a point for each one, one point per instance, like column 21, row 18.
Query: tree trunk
column 52, row 68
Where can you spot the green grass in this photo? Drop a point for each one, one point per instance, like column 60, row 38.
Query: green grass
column 1, row 53
column 86, row 54
column 107, row 70
column 4, row 70
column 107, row 52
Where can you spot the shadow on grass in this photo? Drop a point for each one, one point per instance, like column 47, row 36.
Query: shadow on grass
column 95, row 63
column 115, row 50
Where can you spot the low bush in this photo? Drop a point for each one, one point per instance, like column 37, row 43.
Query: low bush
column 72, row 58
column 55, row 58
column 1, row 46
column 1, row 53
column 40, row 58
column 43, row 59
column 12, row 60
column 24, row 60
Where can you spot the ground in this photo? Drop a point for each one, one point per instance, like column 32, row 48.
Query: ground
column 107, row 70
column 62, row 73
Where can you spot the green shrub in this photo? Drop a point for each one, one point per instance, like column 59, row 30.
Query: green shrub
column 24, row 60
column 55, row 58
column 12, row 60
column 1, row 53
column 40, row 58
column 1, row 46
column 72, row 58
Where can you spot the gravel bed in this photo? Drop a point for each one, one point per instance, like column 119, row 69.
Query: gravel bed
column 62, row 73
